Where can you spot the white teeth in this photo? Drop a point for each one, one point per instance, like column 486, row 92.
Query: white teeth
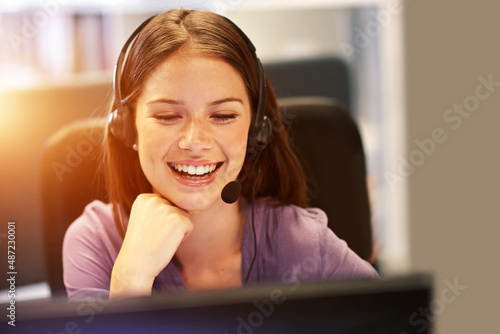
column 195, row 170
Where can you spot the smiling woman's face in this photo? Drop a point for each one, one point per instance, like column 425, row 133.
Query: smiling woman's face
column 192, row 120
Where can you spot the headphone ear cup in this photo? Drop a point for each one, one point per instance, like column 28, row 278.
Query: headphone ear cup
column 121, row 127
column 264, row 136
column 257, row 143
column 114, row 125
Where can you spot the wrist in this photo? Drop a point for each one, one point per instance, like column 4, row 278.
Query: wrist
column 127, row 281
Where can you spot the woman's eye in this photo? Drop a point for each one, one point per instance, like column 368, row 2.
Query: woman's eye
column 222, row 118
column 167, row 118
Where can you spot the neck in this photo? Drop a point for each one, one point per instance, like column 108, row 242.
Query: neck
column 217, row 234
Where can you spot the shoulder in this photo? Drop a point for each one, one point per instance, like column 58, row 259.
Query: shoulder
column 293, row 224
column 95, row 221
column 300, row 243
column 91, row 245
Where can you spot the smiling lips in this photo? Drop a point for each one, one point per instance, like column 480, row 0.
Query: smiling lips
column 194, row 172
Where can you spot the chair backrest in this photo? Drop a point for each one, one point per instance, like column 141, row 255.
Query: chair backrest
column 329, row 144
column 323, row 133
column 320, row 76
column 71, row 178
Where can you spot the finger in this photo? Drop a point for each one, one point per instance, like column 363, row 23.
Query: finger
column 168, row 202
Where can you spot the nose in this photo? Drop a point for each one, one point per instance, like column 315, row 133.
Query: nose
column 196, row 136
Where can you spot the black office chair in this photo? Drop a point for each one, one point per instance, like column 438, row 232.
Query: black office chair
column 329, row 144
column 326, row 76
column 324, row 134
column 71, row 178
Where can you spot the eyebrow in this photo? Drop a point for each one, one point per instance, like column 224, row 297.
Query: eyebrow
column 226, row 100
column 168, row 101
column 181, row 102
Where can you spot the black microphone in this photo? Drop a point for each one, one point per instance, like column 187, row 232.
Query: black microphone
column 232, row 191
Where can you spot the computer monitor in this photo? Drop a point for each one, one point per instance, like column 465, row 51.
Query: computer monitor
column 389, row 305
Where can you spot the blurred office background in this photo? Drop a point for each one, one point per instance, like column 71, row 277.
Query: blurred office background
column 410, row 62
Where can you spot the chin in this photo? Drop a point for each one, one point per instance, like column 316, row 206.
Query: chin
column 195, row 202
column 196, row 205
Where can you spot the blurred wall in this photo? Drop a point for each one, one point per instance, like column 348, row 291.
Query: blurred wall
column 290, row 34
column 452, row 48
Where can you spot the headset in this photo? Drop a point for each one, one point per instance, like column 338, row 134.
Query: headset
column 122, row 128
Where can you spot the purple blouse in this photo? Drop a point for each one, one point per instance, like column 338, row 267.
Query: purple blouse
column 293, row 244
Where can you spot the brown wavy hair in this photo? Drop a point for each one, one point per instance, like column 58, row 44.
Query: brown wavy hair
column 282, row 179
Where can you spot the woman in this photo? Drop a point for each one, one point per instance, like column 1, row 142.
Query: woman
column 187, row 105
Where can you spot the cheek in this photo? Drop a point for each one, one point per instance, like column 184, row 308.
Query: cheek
column 152, row 146
column 232, row 145
column 150, row 136
column 238, row 145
